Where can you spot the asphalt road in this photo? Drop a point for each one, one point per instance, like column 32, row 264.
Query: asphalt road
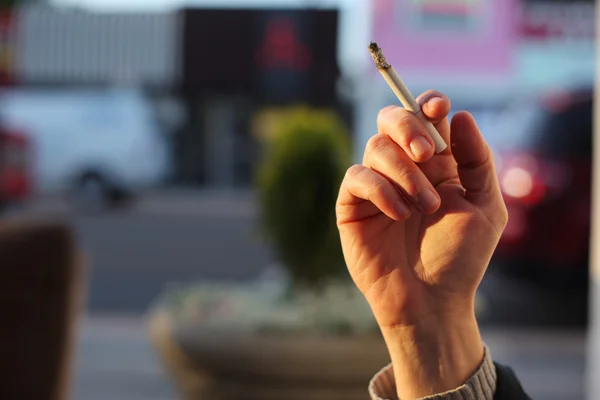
column 178, row 237
column 167, row 238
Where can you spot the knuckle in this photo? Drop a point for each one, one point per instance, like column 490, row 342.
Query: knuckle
column 377, row 189
column 406, row 127
column 407, row 177
column 385, row 113
column 503, row 216
column 400, row 124
column 354, row 171
column 377, row 142
column 498, row 217
column 405, row 171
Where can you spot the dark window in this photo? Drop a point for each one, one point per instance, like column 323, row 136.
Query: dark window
column 273, row 56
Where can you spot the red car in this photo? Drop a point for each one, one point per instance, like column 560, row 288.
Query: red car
column 15, row 172
column 544, row 169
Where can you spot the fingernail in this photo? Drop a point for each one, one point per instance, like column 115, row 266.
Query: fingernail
column 419, row 146
column 428, row 199
column 433, row 101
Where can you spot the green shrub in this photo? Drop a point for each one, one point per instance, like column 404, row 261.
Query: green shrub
column 298, row 182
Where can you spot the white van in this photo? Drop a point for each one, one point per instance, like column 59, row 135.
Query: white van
column 98, row 145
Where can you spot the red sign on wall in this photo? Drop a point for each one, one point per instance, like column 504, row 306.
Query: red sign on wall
column 282, row 48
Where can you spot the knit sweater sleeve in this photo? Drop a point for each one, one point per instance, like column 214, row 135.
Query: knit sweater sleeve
column 480, row 386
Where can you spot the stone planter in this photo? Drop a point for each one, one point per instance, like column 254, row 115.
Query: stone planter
column 223, row 363
column 190, row 381
column 230, row 366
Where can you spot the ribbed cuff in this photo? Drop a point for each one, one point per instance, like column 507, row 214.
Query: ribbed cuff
column 481, row 386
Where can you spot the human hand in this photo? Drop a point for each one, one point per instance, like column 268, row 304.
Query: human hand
column 418, row 231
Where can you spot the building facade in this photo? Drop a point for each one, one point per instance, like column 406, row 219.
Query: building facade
column 193, row 66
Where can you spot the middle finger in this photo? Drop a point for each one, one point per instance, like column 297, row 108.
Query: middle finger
column 407, row 131
column 388, row 159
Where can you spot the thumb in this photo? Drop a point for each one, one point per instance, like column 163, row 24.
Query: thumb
column 475, row 161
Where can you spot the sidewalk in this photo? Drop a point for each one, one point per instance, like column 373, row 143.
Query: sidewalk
column 116, row 362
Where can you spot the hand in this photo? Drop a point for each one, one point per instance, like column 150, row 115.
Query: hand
column 418, row 231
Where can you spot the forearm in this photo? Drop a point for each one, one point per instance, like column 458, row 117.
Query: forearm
column 435, row 356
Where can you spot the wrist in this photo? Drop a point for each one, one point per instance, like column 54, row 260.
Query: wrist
column 435, row 355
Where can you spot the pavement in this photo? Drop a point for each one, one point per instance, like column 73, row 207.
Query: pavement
column 549, row 363
column 115, row 361
column 181, row 236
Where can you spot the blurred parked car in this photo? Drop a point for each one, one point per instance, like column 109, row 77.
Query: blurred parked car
column 15, row 169
column 544, row 167
column 99, row 146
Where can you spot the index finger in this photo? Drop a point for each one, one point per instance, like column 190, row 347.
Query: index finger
column 436, row 107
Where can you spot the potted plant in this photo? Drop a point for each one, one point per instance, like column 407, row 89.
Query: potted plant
column 306, row 334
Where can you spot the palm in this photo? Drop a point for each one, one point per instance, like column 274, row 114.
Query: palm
column 413, row 264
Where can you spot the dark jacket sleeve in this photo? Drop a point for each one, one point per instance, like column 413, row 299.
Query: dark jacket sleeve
column 508, row 386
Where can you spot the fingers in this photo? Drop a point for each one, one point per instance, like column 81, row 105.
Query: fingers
column 389, row 178
column 474, row 158
column 407, row 131
column 364, row 184
column 436, row 107
column 384, row 156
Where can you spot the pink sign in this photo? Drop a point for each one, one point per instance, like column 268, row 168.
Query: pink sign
column 447, row 36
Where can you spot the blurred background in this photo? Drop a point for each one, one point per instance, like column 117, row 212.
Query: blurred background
column 145, row 122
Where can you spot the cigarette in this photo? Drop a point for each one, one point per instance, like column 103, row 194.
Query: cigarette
column 406, row 98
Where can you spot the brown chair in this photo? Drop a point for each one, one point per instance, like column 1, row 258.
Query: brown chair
column 41, row 275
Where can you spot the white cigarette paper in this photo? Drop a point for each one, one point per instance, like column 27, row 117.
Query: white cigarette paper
column 406, row 98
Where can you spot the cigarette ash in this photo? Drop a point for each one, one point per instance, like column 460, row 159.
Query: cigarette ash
column 378, row 56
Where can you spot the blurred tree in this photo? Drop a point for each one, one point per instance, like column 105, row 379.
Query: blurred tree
column 9, row 3
column 298, row 181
